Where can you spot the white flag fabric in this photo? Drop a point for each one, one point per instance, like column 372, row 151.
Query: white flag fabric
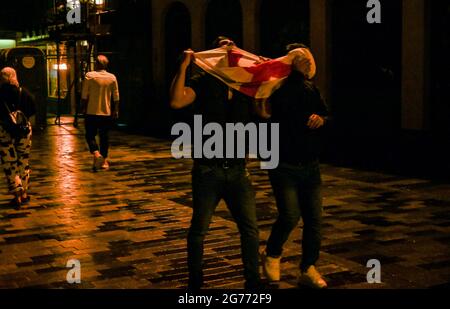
column 250, row 74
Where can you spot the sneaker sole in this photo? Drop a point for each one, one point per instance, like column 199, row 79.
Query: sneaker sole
column 309, row 284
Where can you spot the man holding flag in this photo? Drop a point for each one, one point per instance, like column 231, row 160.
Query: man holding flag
column 218, row 178
column 224, row 92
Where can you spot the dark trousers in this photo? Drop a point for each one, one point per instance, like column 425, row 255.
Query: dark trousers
column 297, row 191
column 209, row 185
column 98, row 125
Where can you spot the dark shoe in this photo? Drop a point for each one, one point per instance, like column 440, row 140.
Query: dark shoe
column 25, row 200
column 15, row 203
column 98, row 162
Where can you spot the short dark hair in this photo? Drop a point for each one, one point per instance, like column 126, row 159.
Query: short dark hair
column 292, row 46
column 217, row 40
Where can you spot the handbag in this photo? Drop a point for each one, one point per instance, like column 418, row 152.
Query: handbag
column 17, row 123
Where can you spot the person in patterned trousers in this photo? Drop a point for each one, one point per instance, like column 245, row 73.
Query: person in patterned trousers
column 15, row 150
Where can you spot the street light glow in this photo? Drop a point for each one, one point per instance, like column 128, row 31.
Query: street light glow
column 62, row 67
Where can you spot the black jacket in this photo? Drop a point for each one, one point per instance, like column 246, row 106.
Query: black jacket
column 292, row 106
column 213, row 104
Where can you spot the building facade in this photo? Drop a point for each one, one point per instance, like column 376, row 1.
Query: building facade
column 385, row 82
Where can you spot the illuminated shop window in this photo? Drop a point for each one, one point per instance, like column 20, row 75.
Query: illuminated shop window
column 75, row 3
column 7, row 44
column 71, row 4
column 53, row 68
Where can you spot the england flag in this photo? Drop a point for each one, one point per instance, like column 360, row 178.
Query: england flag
column 253, row 75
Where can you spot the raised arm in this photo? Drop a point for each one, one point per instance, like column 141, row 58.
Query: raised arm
column 180, row 95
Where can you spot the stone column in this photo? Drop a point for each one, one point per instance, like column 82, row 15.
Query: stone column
column 197, row 9
column 320, row 35
column 158, row 31
column 415, row 115
column 250, row 24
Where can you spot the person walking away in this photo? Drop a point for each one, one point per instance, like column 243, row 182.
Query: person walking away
column 99, row 89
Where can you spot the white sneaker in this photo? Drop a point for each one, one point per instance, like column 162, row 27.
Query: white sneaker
column 271, row 267
column 312, row 278
column 105, row 165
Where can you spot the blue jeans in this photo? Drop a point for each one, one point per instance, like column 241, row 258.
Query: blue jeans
column 297, row 191
column 211, row 183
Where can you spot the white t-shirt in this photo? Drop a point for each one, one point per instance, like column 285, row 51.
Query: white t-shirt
column 98, row 88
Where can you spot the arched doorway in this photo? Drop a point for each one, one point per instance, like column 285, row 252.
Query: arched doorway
column 177, row 38
column 440, row 79
column 439, row 84
column 366, row 68
column 283, row 22
column 366, row 82
column 224, row 17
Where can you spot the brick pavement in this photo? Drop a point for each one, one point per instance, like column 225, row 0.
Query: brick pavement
column 128, row 226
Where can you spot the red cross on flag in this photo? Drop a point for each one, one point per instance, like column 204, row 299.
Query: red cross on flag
column 250, row 74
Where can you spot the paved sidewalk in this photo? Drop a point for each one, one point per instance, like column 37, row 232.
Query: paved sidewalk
column 128, row 226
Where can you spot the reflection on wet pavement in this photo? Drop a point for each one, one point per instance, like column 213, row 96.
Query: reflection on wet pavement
column 128, row 226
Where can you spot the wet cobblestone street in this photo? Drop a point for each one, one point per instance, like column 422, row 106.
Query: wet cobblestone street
column 127, row 226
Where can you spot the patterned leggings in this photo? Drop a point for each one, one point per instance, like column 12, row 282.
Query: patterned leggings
column 15, row 155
